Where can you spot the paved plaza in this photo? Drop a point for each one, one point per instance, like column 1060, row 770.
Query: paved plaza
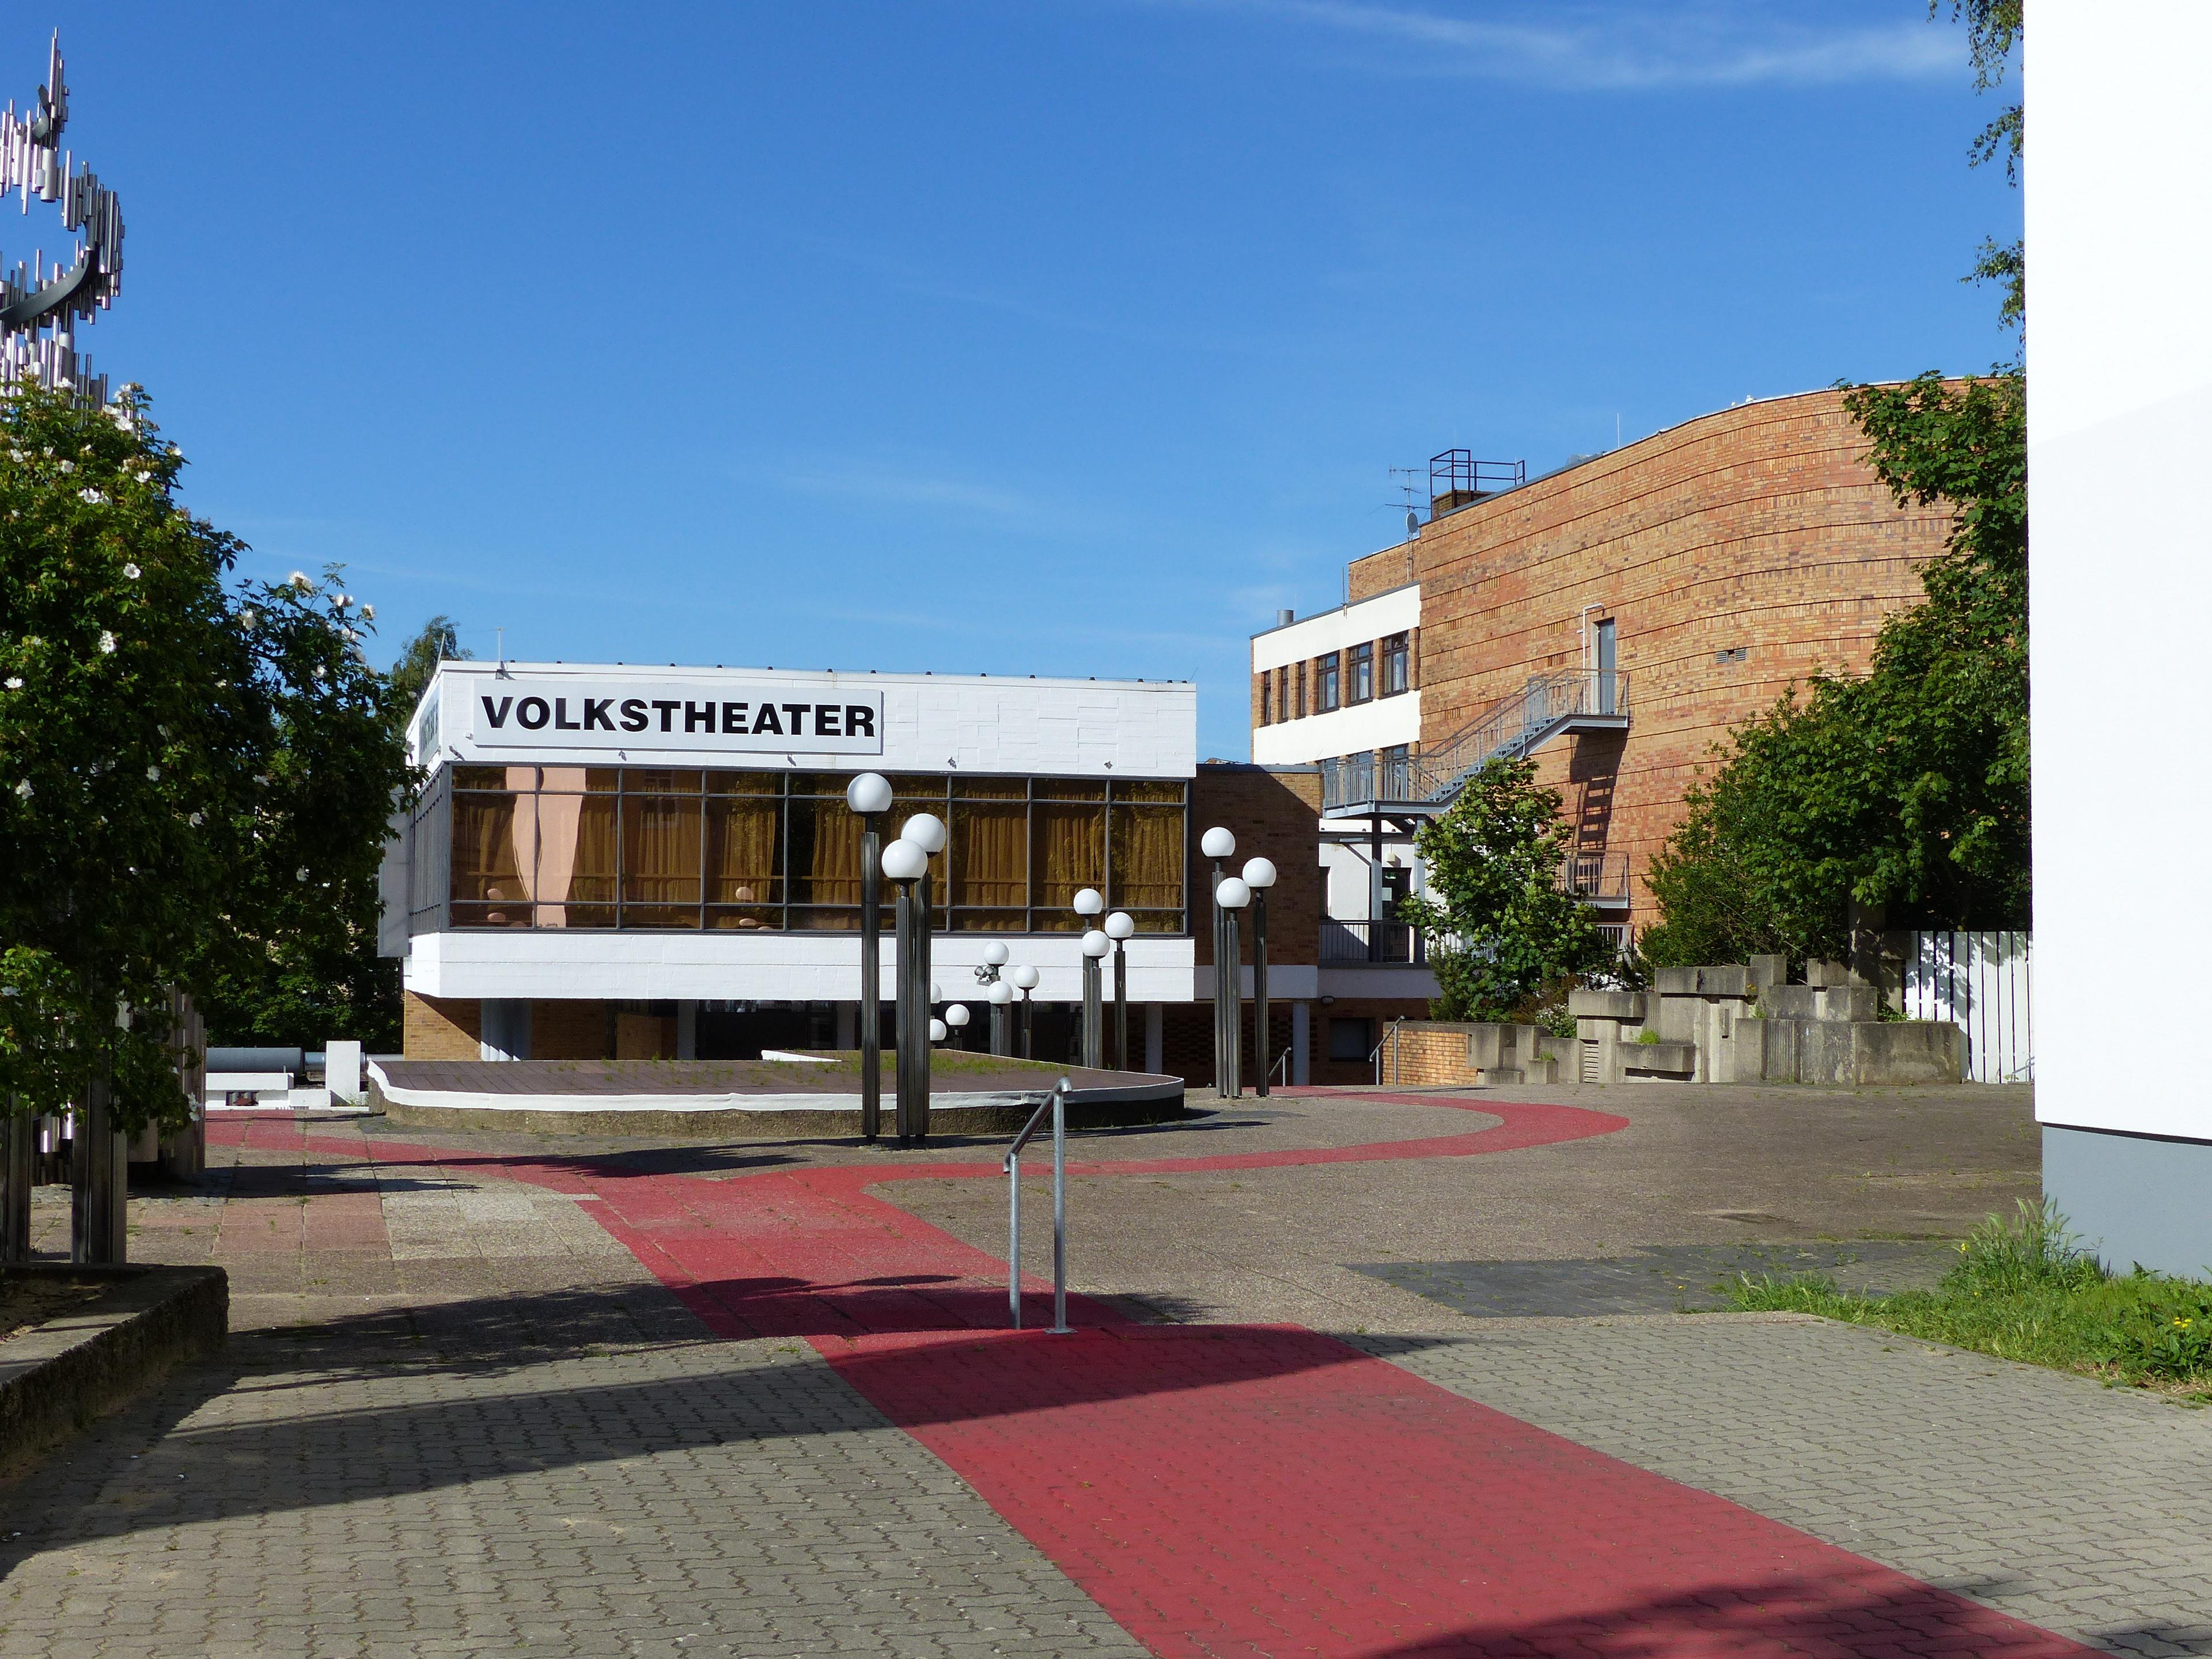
column 1361, row 1373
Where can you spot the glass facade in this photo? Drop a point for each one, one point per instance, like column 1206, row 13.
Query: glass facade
column 649, row 847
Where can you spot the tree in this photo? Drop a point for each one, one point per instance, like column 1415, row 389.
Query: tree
column 1503, row 933
column 439, row 641
column 1993, row 28
column 1907, row 788
column 183, row 762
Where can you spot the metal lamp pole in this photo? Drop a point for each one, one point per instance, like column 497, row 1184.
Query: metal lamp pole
column 904, row 863
column 1089, row 903
column 1096, row 945
column 1002, row 1018
column 925, row 831
column 1025, row 979
column 991, row 976
column 1260, row 876
column 1233, row 896
column 869, row 795
column 1217, row 844
column 1119, row 927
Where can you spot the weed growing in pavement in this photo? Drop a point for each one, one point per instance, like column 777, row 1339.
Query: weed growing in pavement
column 2024, row 1289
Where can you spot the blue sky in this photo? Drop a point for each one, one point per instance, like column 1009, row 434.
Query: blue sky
column 1069, row 338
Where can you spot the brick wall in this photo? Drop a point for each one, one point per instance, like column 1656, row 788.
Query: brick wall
column 1429, row 1055
column 1759, row 529
column 1272, row 814
column 571, row 1030
column 437, row 1028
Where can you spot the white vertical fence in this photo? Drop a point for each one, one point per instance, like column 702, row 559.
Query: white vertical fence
column 1979, row 982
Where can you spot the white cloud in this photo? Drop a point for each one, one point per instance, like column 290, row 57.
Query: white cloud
column 1634, row 47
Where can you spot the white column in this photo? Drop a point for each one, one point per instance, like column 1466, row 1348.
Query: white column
column 1301, row 1044
column 687, row 1030
column 1155, row 1038
column 342, row 1070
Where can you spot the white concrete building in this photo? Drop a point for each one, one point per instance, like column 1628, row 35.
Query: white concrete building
column 616, row 861
column 2119, row 423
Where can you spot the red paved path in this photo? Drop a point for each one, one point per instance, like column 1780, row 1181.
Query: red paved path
column 1256, row 1490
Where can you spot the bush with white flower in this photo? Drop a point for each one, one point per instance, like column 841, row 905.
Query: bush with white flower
column 147, row 688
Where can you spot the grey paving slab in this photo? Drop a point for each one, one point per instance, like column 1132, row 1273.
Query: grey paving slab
column 2085, row 1509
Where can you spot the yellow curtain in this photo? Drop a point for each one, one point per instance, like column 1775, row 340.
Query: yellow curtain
column 1148, row 853
column 661, row 849
column 990, row 856
column 741, row 852
column 486, row 865
column 828, row 835
column 1067, row 853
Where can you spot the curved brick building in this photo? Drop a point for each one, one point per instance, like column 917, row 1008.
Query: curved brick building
column 1612, row 619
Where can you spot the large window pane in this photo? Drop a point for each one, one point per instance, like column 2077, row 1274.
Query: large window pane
column 575, row 836
column 1071, row 789
column 825, row 856
column 1067, row 853
column 1148, row 853
column 743, row 866
column 659, row 854
column 990, row 789
column 990, row 855
column 1149, row 789
column 744, row 783
column 490, row 883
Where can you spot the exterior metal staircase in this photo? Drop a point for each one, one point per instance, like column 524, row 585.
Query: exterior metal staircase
column 1549, row 705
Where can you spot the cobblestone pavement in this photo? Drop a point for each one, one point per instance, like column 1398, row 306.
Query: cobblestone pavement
column 462, row 1417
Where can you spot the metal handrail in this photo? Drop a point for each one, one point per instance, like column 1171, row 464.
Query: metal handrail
column 1509, row 727
column 1389, row 1037
column 1056, row 1104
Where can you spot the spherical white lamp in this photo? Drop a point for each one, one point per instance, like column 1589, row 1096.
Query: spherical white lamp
column 1259, row 874
column 1217, row 843
column 1232, row 894
column 957, row 1016
column 937, row 1030
column 869, row 793
column 904, row 861
column 1025, row 977
column 1090, row 901
column 937, row 993
column 995, row 954
column 1096, row 943
column 1000, row 993
column 1120, row 925
column 925, row 830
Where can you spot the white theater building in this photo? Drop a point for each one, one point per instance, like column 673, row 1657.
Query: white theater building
column 620, row 862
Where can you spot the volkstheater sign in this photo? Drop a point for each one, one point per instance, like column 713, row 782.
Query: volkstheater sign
column 521, row 713
column 596, row 713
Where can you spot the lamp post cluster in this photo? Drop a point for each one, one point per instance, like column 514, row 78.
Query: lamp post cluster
column 914, row 995
column 1233, row 894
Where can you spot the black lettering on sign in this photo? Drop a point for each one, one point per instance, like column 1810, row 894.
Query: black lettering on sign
column 766, row 723
column 496, row 712
column 532, row 714
column 667, row 707
column 560, row 720
column 733, row 719
column 825, row 720
column 859, row 721
column 633, row 714
column 698, row 716
column 797, row 713
column 595, row 714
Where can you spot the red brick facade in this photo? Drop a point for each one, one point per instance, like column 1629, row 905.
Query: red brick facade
column 1736, row 554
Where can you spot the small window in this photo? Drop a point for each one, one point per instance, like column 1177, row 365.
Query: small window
column 1362, row 673
column 1267, row 699
column 1739, row 653
column 1397, row 665
column 1350, row 1039
column 1326, row 685
column 1298, row 703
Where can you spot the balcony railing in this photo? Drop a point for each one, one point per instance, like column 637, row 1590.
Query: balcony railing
column 1396, row 942
column 1599, row 876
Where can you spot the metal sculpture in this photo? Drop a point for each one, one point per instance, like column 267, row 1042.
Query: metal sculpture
column 39, row 304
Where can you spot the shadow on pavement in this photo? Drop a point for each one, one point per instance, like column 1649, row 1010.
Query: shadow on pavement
column 1872, row 1613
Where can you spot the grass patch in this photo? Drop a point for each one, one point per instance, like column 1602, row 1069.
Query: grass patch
column 2023, row 1289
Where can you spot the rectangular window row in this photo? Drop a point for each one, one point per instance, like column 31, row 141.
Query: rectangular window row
column 654, row 847
column 1372, row 669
